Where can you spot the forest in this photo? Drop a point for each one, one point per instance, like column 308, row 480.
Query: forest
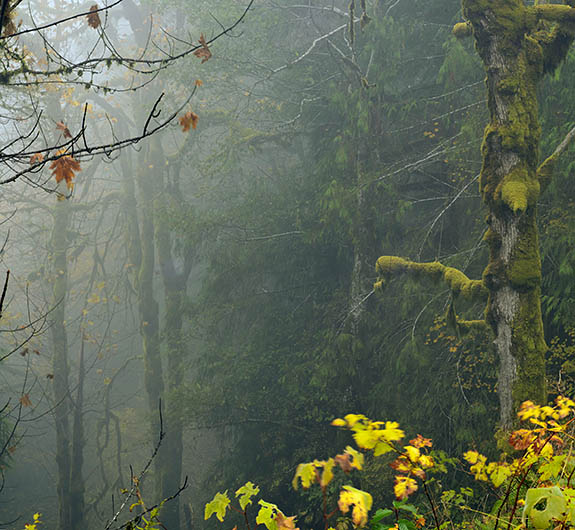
column 287, row 264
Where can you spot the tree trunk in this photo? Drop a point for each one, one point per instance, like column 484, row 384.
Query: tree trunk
column 512, row 45
column 59, row 247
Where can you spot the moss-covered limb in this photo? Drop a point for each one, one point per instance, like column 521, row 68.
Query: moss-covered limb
column 545, row 170
column 456, row 280
column 466, row 327
column 556, row 13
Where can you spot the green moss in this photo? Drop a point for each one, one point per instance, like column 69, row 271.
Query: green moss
column 525, row 266
column 462, row 30
column 529, row 349
column 456, row 280
column 518, row 190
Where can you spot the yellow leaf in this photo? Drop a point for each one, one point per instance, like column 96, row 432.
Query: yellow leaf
column 361, row 502
column 404, row 486
column 327, row 473
column 306, row 473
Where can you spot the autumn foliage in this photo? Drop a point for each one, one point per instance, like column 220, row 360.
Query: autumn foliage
column 65, row 168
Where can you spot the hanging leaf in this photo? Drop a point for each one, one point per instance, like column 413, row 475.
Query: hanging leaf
column 189, row 119
column 204, row 52
column 36, row 158
column 61, row 126
column 93, row 17
column 25, row 400
column 65, row 168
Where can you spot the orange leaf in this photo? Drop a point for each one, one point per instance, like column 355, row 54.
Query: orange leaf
column 420, row 442
column 36, row 158
column 93, row 17
column 64, row 168
column 25, row 400
column 204, row 52
column 285, row 523
column 199, row 82
column 189, row 119
column 65, row 131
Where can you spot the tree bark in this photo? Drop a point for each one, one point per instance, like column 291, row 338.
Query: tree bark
column 513, row 46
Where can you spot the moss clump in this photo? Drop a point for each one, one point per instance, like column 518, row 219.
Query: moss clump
column 462, row 30
column 519, row 190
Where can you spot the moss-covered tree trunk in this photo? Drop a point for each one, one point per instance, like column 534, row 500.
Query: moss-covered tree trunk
column 518, row 45
column 516, row 49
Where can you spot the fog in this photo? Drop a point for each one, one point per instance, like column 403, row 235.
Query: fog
column 193, row 199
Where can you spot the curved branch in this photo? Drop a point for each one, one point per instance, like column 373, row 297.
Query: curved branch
column 456, row 280
column 545, row 170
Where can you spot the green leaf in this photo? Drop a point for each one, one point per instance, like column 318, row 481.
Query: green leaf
column 552, row 468
column 381, row 514
column 306, row 473
column 217, row 505
column 405, row 524
column 266, row 515
column 245, row 494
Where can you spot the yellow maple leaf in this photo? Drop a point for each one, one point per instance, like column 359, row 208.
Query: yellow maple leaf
column 404, row 487
column 361, row 502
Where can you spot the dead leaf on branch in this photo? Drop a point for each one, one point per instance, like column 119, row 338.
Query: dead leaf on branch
column 65, row 168
column 93, row 17
column 36, row 158
column 25, row 400
column 204, row 52
column 61, row 126
column 189, row 119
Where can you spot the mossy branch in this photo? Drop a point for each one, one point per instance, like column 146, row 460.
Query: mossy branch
column 456, row 280
column 545, row 170
column 556, row 13
column 461, row 326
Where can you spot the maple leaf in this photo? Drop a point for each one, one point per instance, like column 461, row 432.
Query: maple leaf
column 36, row 158
column 350, row 459
column 361, row 502
column 306, row 473
column 204, row 52
column 217, row 505
column 419, row 442
column 25, row 400
column 65, row 168
column 93, row 17
column 522, row 439
column 267, row 515
column 189, row 119
column 285, row 523
column 61, row 126
column 404, row 486
column 245, row 494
